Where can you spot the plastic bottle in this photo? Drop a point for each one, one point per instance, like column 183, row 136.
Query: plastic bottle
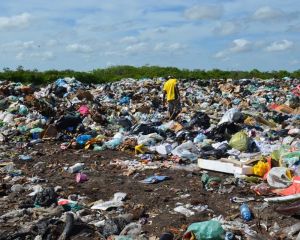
column 245, row 212
column 75, row 168
column 229, row 236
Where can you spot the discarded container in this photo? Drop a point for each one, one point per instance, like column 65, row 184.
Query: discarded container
column 25, row 157
column 229, row 236
column 75, row 168
column 245, row 212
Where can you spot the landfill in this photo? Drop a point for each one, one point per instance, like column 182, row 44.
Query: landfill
column 104, row 161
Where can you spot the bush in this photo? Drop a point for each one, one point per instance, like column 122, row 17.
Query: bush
column 116, row 73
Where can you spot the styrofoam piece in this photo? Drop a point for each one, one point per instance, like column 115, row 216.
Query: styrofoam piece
column 225, row 167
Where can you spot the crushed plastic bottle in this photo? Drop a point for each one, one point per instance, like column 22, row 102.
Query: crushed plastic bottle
column 229, row 236
column 245, row 212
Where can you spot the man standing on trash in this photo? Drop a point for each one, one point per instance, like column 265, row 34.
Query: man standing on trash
column 171, row 93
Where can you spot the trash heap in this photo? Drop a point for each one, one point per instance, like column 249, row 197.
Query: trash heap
column 240, row 138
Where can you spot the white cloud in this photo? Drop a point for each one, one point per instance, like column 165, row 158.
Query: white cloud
column 238, row 46
column 204, row 12
column 20, row 56
column 221, row 54
column 51, row 43
column 113, row 53
column 20, row 46
column 294, row 28
column 79, row 48
column 294, row 62
column 29, row 45
column 176, row 46
column 160, row 30
column 164, row 47
column 129, row 40
column 279, row 46
column 159, row 46
column 226, row 28
column 241, row 45
column 136, row 48
column 110, row 64
column 266, row 12
column 15, row 22
column 47, row 55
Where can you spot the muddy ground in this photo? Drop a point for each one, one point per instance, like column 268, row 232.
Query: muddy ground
column 151, row 204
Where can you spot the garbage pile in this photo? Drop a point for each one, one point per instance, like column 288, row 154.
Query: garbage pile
column 238, row 138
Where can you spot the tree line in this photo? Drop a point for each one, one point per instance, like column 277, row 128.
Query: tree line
column 115, row 73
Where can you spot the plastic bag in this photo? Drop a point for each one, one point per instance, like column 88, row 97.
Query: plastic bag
column 124, row 100
column 232, row 115
column 84, row 110
column 149, row 139
column 201, row 120
column 205, row 230
column 116, row 141
column 23, row 110
column 290, row 159
column 293, row 189
column 199, row 138
column 82, row 139
column 279, row 177
column 186, row 150
column 164, row 149
column 240, row 141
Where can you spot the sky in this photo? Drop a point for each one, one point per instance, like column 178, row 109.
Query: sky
column 89, row 34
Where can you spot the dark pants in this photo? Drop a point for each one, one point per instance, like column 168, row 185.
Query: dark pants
column 174, row 108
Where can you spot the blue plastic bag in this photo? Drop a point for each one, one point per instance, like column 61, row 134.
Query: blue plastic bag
column 124, row 100
column 82, row 139
column 154, row 179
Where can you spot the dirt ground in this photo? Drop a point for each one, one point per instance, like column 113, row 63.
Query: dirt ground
column 153, row 203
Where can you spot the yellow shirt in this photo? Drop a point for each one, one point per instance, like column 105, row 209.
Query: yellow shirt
column 169, row 87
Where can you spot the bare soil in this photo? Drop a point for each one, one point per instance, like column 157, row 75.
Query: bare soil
column 152, row 202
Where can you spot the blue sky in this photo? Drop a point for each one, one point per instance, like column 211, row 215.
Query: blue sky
column 90, row 34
